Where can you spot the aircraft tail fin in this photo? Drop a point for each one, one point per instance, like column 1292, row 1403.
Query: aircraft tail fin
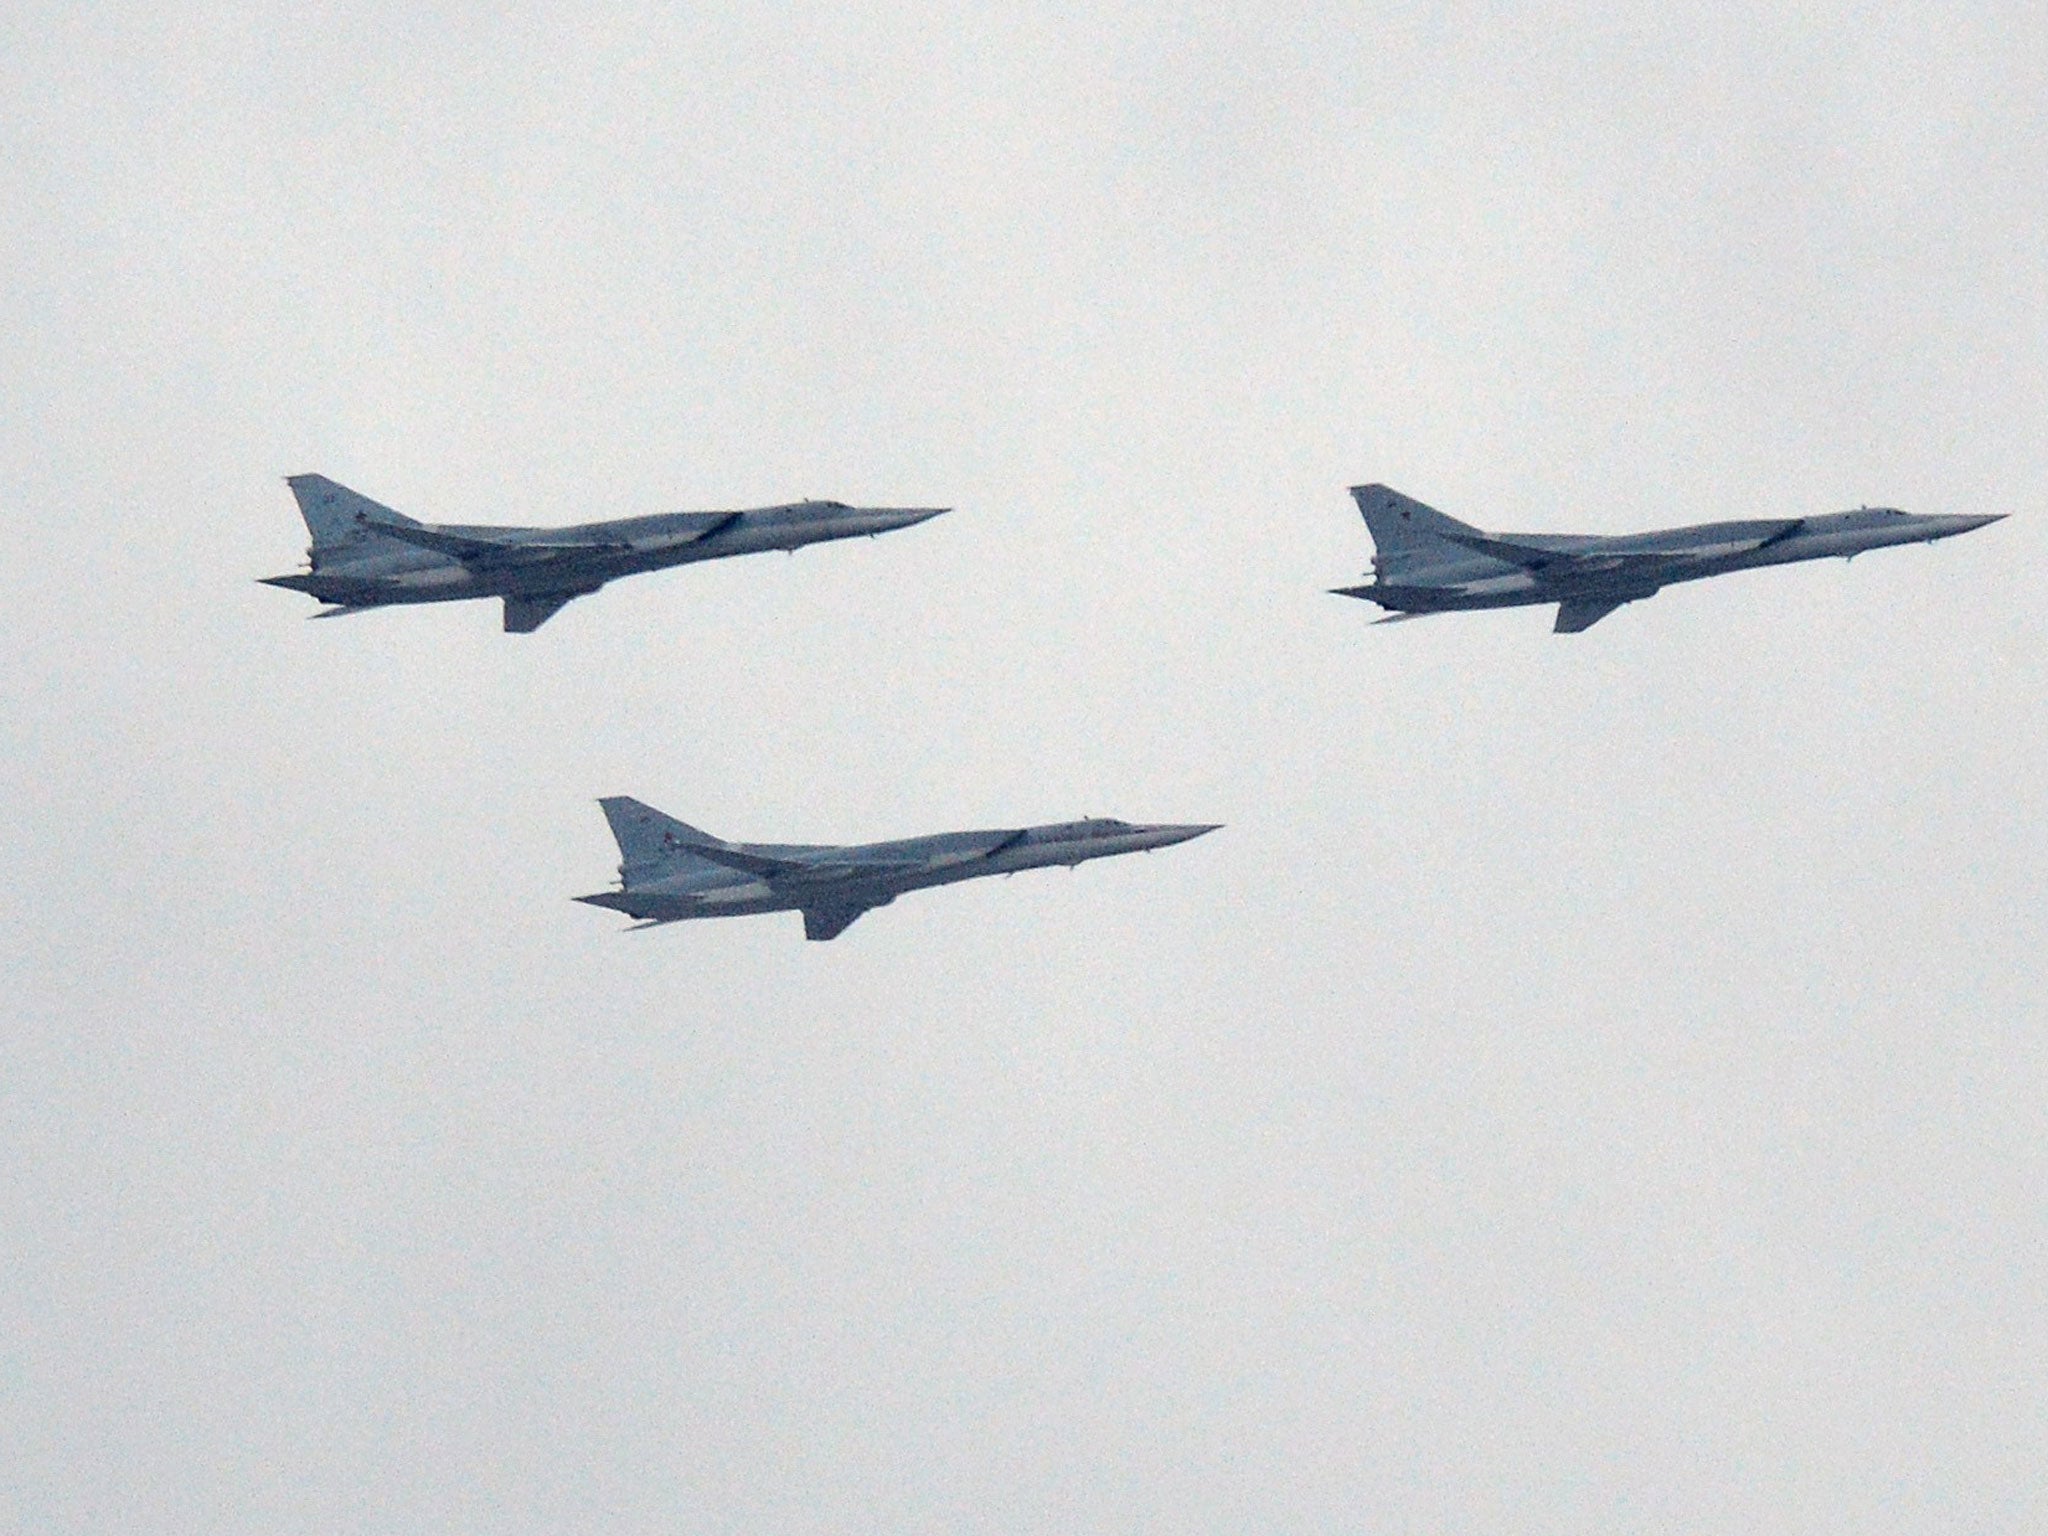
column 648, row 839
column 335, row 516
column 1404, row 531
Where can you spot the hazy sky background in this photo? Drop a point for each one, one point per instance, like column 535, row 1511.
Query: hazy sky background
column 1593, row 1083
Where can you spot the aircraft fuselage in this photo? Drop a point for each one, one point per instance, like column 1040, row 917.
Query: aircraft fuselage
column 691, row 885
column 1458, row 568
column 530, row 562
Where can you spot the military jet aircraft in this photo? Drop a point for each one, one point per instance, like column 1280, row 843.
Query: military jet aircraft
column 670, row 871
column 1425, row 562
column 365, row 555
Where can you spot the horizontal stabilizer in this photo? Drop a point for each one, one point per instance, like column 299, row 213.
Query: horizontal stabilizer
column 1383, row 593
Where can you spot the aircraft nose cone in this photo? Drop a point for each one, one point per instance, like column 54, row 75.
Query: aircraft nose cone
column 1949, row 527
column 909, row 517
column 1167, row 836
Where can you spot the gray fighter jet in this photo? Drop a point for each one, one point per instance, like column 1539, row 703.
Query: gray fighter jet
column 367, row 556
column 670, row 871
column 1425, row 562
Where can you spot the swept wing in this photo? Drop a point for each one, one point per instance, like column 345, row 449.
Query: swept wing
column 1624, row 562
column 473, row 550
column 826, row 870
column 478, row 552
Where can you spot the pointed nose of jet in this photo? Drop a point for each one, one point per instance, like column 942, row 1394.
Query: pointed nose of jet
column 892, row 518
column 1167, row 836
column 1949, row 527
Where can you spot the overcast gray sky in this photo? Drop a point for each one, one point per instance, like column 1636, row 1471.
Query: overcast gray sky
column 1592, row 1084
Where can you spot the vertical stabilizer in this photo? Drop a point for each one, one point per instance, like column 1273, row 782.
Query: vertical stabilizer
column 649, row 840
column 1405, row 533
column 335, row 517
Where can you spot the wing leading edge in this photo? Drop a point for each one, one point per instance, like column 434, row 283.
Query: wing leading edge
column 1602, row 560
column 495, row 553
